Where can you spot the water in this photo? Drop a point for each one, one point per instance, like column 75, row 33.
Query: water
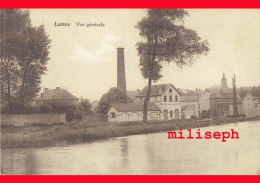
column 144, row 154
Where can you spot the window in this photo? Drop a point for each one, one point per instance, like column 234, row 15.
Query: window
column 113, row 115
column 171, row 115
column 165, row 110
column 165, row 98
column 170, row 90
column 141, row 98
column 170, row 98
column 176, row 98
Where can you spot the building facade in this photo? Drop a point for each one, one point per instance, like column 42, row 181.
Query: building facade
column 124, row 112
column 171, row 102
column 221, row 100
column 250, row 106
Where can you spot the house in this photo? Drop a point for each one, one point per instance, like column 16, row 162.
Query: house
column 219, row 100
column 57, row 95
column 122, row 112
column 190, row 107
column 250, row 106
column 171, row 101
column 222, row 103
column 131, row 94
column 204, row 101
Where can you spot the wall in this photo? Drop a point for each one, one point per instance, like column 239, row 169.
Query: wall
column 204, row 102
column 28, row 119
column 170, row 106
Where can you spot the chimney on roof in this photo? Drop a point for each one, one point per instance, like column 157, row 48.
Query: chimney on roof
column 46, row 89
column 138, row 90
column 121, row 82
column 57, row 88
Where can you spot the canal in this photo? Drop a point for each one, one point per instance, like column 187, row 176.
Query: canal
column 144, row 154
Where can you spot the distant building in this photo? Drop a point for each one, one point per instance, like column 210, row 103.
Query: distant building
column 250, row 106
column 171, row 101
column 204, row 101
column 132, row 112
column 222, row 99
column 132, row 94
column 57, row 94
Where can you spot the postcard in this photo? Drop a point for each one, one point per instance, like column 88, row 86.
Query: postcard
column 130, row 91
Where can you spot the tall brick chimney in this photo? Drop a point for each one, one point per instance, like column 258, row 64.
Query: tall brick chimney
column 121, row 83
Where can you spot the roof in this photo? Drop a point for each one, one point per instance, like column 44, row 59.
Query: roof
column 218, row 89
column 185, row 107
column 132, row 94
column 225, row 96
column 58, row 93
column 190, row 98
column 129, row 107
column 157, row 89
column 251, row 96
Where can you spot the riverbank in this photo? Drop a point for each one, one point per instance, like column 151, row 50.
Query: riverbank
column 52, row 135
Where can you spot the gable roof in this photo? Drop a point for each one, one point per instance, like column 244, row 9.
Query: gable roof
column 250, row 95
column 157, row 90
column 130, row 107
column 58, row 93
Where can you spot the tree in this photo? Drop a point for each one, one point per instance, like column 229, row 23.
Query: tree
column 24, row 55
column 114, row 95
column 32, row 59
column 86, row 106
column 165, row 40
column 12, row 22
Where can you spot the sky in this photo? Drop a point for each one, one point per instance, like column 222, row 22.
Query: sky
column 83, row 58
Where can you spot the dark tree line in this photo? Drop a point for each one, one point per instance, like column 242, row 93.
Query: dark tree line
column 23, row 55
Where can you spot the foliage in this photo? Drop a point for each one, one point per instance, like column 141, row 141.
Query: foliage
column 86, row 106
column 165, row 40
column 45, row 108
column 114, row 95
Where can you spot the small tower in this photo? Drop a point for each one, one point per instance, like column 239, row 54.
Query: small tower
column 224, row 82
column 121, row 82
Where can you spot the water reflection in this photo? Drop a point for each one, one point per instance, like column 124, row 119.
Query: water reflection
column 144, row 154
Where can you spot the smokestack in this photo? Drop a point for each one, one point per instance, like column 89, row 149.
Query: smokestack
column 121, row 83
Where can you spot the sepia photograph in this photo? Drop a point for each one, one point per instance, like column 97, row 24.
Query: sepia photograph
column 130, row 91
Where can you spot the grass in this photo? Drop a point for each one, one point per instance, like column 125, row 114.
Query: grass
column 59, row 134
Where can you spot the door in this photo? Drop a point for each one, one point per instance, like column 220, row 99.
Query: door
column 165, row 115
column 176, row 114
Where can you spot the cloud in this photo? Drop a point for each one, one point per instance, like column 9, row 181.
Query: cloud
column 107, row 45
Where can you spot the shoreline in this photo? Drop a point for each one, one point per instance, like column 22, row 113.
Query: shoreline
column 74, row 133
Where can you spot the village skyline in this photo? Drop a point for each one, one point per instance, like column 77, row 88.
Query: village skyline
column 83, row 60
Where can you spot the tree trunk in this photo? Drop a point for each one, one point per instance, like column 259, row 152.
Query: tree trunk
column 22, row 94
column 147, row 97
column 8, row 93
column 22, row 87
column 8, row 88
